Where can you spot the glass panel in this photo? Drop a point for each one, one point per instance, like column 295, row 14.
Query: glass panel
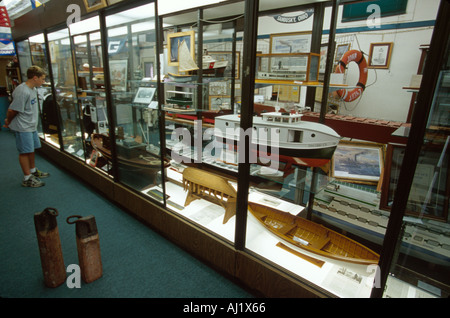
column 303, row 215
column 66, row 95
column 48, row 122
column 202, row 181
column 32, row 52
column 91, row 95
column 132, row 63
column 421, row 267
column 23, row 52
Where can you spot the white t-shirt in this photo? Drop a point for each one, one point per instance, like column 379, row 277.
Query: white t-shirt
column 25, row 102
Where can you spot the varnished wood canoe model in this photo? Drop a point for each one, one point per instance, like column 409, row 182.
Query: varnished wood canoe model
column 311, row 236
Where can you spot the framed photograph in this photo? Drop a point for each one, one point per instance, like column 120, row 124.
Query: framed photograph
column 380, row 55
column 323, row 57
column 358, row 162
column 174, row 40
column 144, row 95
column 92, row 5
column 227, row 56
column 430, row 191
column 219, row 102
column 340, row 51
column 299, row 42
column 119, row 73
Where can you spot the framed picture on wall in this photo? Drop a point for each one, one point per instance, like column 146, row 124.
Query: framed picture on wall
column 299, row 42
column 340, row 51
column 119, row 74
column 219, row 102
column 92, row 5
column 380, row 55
column 173, row 42
column 323, row 57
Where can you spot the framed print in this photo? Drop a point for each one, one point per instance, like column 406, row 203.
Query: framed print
column 218, row 88
column 144, row 95
column 92, row 5
column 323, row 57
column 340, row 51
column 299, row 42
column 119, row 73
column 380, row 55
column 227, row 56
column 174, row 40
column 219, row 102
column 359, row 162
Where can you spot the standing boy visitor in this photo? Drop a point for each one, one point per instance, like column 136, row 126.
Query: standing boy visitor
column 22, row 119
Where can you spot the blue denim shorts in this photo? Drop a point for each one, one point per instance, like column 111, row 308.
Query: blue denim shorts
column 27, row 142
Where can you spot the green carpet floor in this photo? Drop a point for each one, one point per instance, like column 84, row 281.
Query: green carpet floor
column 137, row 262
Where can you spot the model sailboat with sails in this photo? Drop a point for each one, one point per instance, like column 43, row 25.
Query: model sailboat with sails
column 188, row 69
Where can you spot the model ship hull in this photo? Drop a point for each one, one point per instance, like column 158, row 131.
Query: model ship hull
column 294, row 141
column 145, row 161
column 312, row 237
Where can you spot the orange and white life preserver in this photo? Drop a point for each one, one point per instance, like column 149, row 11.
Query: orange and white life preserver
column 358, row 58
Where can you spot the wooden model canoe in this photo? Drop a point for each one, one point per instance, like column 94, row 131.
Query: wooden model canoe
column 312, row 237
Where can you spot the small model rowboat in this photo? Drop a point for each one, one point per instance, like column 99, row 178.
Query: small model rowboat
column 312, row 237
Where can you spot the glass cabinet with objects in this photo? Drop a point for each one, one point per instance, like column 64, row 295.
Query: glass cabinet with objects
column 132, row 65
column 91, row 94
column 224, row 121
column 33, row 52
column 63, row 74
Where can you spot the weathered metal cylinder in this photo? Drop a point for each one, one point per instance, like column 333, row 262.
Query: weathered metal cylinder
column 88, row 247
column 50, row 247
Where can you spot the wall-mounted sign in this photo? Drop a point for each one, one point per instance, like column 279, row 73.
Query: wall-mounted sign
column 294, row 19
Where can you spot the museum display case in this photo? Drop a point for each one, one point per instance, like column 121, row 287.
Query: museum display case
column 423, row 243
column 32, row 51
column 263, row 142
column 132, row 65
column 91, row 96
column 65, row 99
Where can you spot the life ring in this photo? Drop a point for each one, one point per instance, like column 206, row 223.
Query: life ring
column 358, row 58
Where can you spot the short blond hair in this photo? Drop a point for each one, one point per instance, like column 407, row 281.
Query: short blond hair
column 35, row 71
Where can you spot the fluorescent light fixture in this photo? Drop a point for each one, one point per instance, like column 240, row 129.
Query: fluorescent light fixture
column 165, row 7
column 84, row 26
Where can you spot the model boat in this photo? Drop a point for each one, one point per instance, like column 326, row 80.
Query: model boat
column 298, row 142
column 187, row 68
column 139, row 158
column 312, row 237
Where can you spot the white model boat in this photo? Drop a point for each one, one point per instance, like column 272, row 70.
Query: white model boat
column 297, row 142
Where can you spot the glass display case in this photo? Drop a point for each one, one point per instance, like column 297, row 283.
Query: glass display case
column 87, row 43
column 63, row 74
column 33, row 52
column 132, row 53
column 200, row 183
column 423, row 257
column 188, row 113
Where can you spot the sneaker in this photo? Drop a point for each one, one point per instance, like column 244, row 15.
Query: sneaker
column 40, row 174
column 33, row 182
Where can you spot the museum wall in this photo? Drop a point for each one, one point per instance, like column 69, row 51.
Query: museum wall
column 408, row 32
